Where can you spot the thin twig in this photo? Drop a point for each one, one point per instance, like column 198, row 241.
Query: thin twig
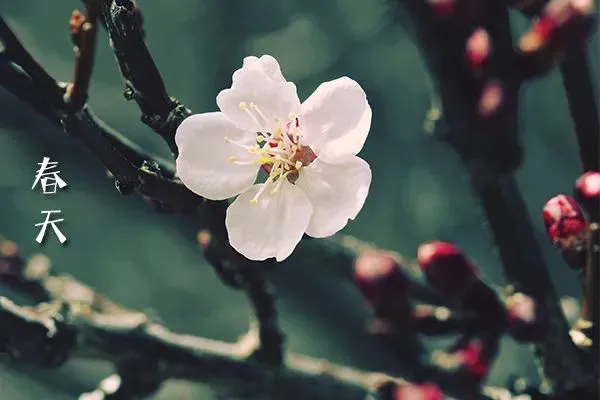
column 83, row 31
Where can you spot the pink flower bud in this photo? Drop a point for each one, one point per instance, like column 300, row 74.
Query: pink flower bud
column 587, row 193
column 423, row 391
column 565, row 223
column 11, row 262
column 203, row 238
column 525, row 322
column 478, row 48
column 491, row 98
column 378, row 276
column 446, row 268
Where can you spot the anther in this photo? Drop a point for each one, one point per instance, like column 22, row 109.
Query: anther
column 243, row 105
column 232, row 158
column 298, row 164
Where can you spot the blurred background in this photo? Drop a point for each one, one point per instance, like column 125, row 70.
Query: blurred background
column 150, row 261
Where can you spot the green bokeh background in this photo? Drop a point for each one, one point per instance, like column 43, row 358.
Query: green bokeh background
column 150, row 261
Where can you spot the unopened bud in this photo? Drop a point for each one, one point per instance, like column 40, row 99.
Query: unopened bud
column 491, row 98
column 379, row 278
column 446, row 268
column 469, row 360
column 587, row 193
column 11, row 262
column 565, row 223
column 539, row 34
column 442, row 7
column 473, row 360
column 478, row 48
column 423, row 391
column 524, row 317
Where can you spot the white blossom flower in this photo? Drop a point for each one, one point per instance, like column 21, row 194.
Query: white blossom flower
column 315, row 182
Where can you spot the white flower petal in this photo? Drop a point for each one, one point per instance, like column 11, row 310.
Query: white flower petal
column 337, row 193
column 203, row 162
column 267, row 64
column 273, row 97
column 272, row 227
column 336, row 119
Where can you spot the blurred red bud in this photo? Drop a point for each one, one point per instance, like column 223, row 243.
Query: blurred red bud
column 478, row 48
column 11, row 262
column 379, row 278
column 587, row 193
column 423, row 391
column 442, row 7
column 565, row 223
column 473, row 360
column 203, row 238
column 491, row 98
column 446, row 268
column 524, row 317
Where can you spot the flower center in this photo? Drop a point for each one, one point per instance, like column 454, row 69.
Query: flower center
column 278, row 150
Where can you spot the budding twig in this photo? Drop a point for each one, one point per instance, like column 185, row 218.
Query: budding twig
column 83, row 31
column 132, row 168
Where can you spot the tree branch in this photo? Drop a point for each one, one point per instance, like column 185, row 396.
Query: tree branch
column 143, row 81
column 490, row 149
column 83, row 32
column 74, row 321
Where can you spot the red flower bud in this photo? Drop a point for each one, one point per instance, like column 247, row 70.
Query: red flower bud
column 587, row 193
column 378, row 276
column 442, row 7
column 565, row 223
column 446, row 268
column 423, row 391
column 478, row 48
column 473, row 360
column 525, row 321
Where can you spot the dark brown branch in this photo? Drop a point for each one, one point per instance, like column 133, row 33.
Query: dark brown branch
column 143, row 81
column 132, row 169
column 474, row 137
column 579, row 87
column 17, row 54
column 77, row 322
column 249, row 275
column 83, row 31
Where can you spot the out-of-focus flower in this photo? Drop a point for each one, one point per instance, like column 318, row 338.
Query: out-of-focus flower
column 587, row 193
column 315, row 182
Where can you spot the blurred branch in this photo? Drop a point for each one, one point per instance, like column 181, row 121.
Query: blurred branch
column 579, row 87
column 489, row 146
column 75, row 313
column 73, row 321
